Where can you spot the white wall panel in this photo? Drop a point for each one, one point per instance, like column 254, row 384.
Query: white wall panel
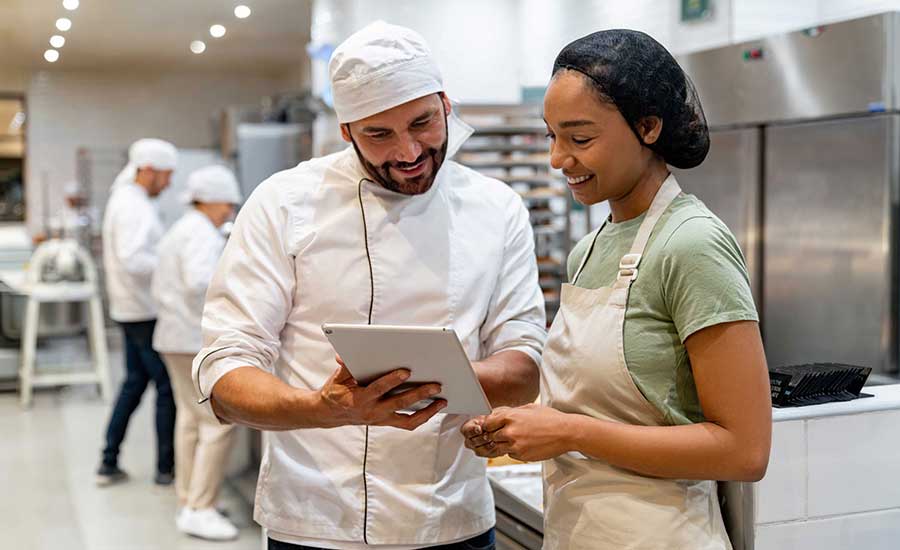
column 852, row 466
column 475, row 42
column 79, row 109
column 872, row 531
column 781, row 495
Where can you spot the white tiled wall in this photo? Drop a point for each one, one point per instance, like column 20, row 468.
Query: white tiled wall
column 853, row 467
column 871, row 531
column 547, row 26
column 67, row 110
column 474, row 41
column 841, row 10
column 488, row 49
column 833, row 483
column 756, row 18
column 781, row 496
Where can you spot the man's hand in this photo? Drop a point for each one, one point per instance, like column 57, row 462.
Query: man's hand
column 348, row 403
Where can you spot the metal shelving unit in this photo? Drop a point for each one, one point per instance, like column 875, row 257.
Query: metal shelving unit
column 509, row 144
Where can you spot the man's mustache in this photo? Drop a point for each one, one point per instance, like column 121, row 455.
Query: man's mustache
column 402, row 165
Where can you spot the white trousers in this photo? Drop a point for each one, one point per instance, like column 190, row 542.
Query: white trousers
column 202, row 444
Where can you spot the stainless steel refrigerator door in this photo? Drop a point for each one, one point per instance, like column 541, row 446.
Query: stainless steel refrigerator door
column 828, row 242
column 837, row 69
column 267, row 148
column 844, row 68
column 728, row 182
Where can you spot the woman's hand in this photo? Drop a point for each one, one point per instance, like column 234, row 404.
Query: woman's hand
column 476, row 439
column 530, row 433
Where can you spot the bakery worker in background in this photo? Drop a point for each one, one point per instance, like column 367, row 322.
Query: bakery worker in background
column 131, row 232
column 78, row 216
column 387, row 231
column 188, row 255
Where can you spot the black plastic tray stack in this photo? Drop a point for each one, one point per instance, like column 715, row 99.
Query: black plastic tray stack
column 816, row 383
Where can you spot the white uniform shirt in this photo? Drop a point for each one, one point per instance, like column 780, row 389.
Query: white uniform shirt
column 460, row 255
column 188, row 255
column 131, row 231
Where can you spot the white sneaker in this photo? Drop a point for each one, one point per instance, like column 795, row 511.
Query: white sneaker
column 206, row 523
column 179, row 516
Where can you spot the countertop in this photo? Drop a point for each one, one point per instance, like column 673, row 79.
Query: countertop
column 517, row 488
column 884, row 398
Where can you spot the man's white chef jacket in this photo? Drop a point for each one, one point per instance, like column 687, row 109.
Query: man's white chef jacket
column 460, row 255
column 131, row 232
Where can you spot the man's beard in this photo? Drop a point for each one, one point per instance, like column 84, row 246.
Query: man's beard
column 157, row 188
column 407, row 186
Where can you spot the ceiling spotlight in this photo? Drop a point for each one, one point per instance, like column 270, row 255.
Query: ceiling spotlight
column 217, row 31
column 242, row 12
column 198, row 46
column 57, row 41
column 51, row 56
column 63, row 24
column 70, row 5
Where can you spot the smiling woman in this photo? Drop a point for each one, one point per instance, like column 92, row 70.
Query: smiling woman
column 639, row 91
column 642, row 81
column 654, row 382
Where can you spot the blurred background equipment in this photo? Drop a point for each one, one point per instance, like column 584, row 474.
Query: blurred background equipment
column 509, row 144
column 61, row 271
column 12, row 158
column 264, row 139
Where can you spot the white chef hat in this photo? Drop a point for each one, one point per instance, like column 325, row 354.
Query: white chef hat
column 153, row 153
column 382, row 66
column 212, row 184
column 72, row 189
column 148, row 153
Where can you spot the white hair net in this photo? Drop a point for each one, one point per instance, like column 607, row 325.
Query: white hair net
column 212, row 184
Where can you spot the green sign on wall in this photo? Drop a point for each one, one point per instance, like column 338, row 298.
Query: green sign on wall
column 693, row 10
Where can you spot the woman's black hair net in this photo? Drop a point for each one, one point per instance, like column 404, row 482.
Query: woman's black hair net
column 640, row 77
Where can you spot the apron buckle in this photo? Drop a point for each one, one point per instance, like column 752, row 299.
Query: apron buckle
column 628, row 266
column 630, row 261
column 629, row 274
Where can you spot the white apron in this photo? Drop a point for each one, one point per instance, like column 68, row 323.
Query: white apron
column 589, row 504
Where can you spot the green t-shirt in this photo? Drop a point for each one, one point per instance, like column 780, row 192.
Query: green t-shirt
column 692, row 276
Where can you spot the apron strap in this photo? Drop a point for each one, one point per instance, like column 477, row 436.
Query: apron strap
column 588, row 253
column 628, row 266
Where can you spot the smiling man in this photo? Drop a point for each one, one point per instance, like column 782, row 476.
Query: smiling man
column 388, row 231
column 411, row 168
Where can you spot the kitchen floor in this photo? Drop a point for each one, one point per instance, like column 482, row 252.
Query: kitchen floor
column 48, row 499
column 48, row 455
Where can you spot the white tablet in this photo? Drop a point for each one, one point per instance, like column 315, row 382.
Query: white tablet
column 431, row 354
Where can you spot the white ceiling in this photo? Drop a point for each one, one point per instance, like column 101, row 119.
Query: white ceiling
column 111, row 34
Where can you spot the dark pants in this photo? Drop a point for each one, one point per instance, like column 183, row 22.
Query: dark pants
column 484, row 541
column 142, row 364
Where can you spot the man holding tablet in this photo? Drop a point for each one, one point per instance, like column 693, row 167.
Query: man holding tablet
column 388, row 232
